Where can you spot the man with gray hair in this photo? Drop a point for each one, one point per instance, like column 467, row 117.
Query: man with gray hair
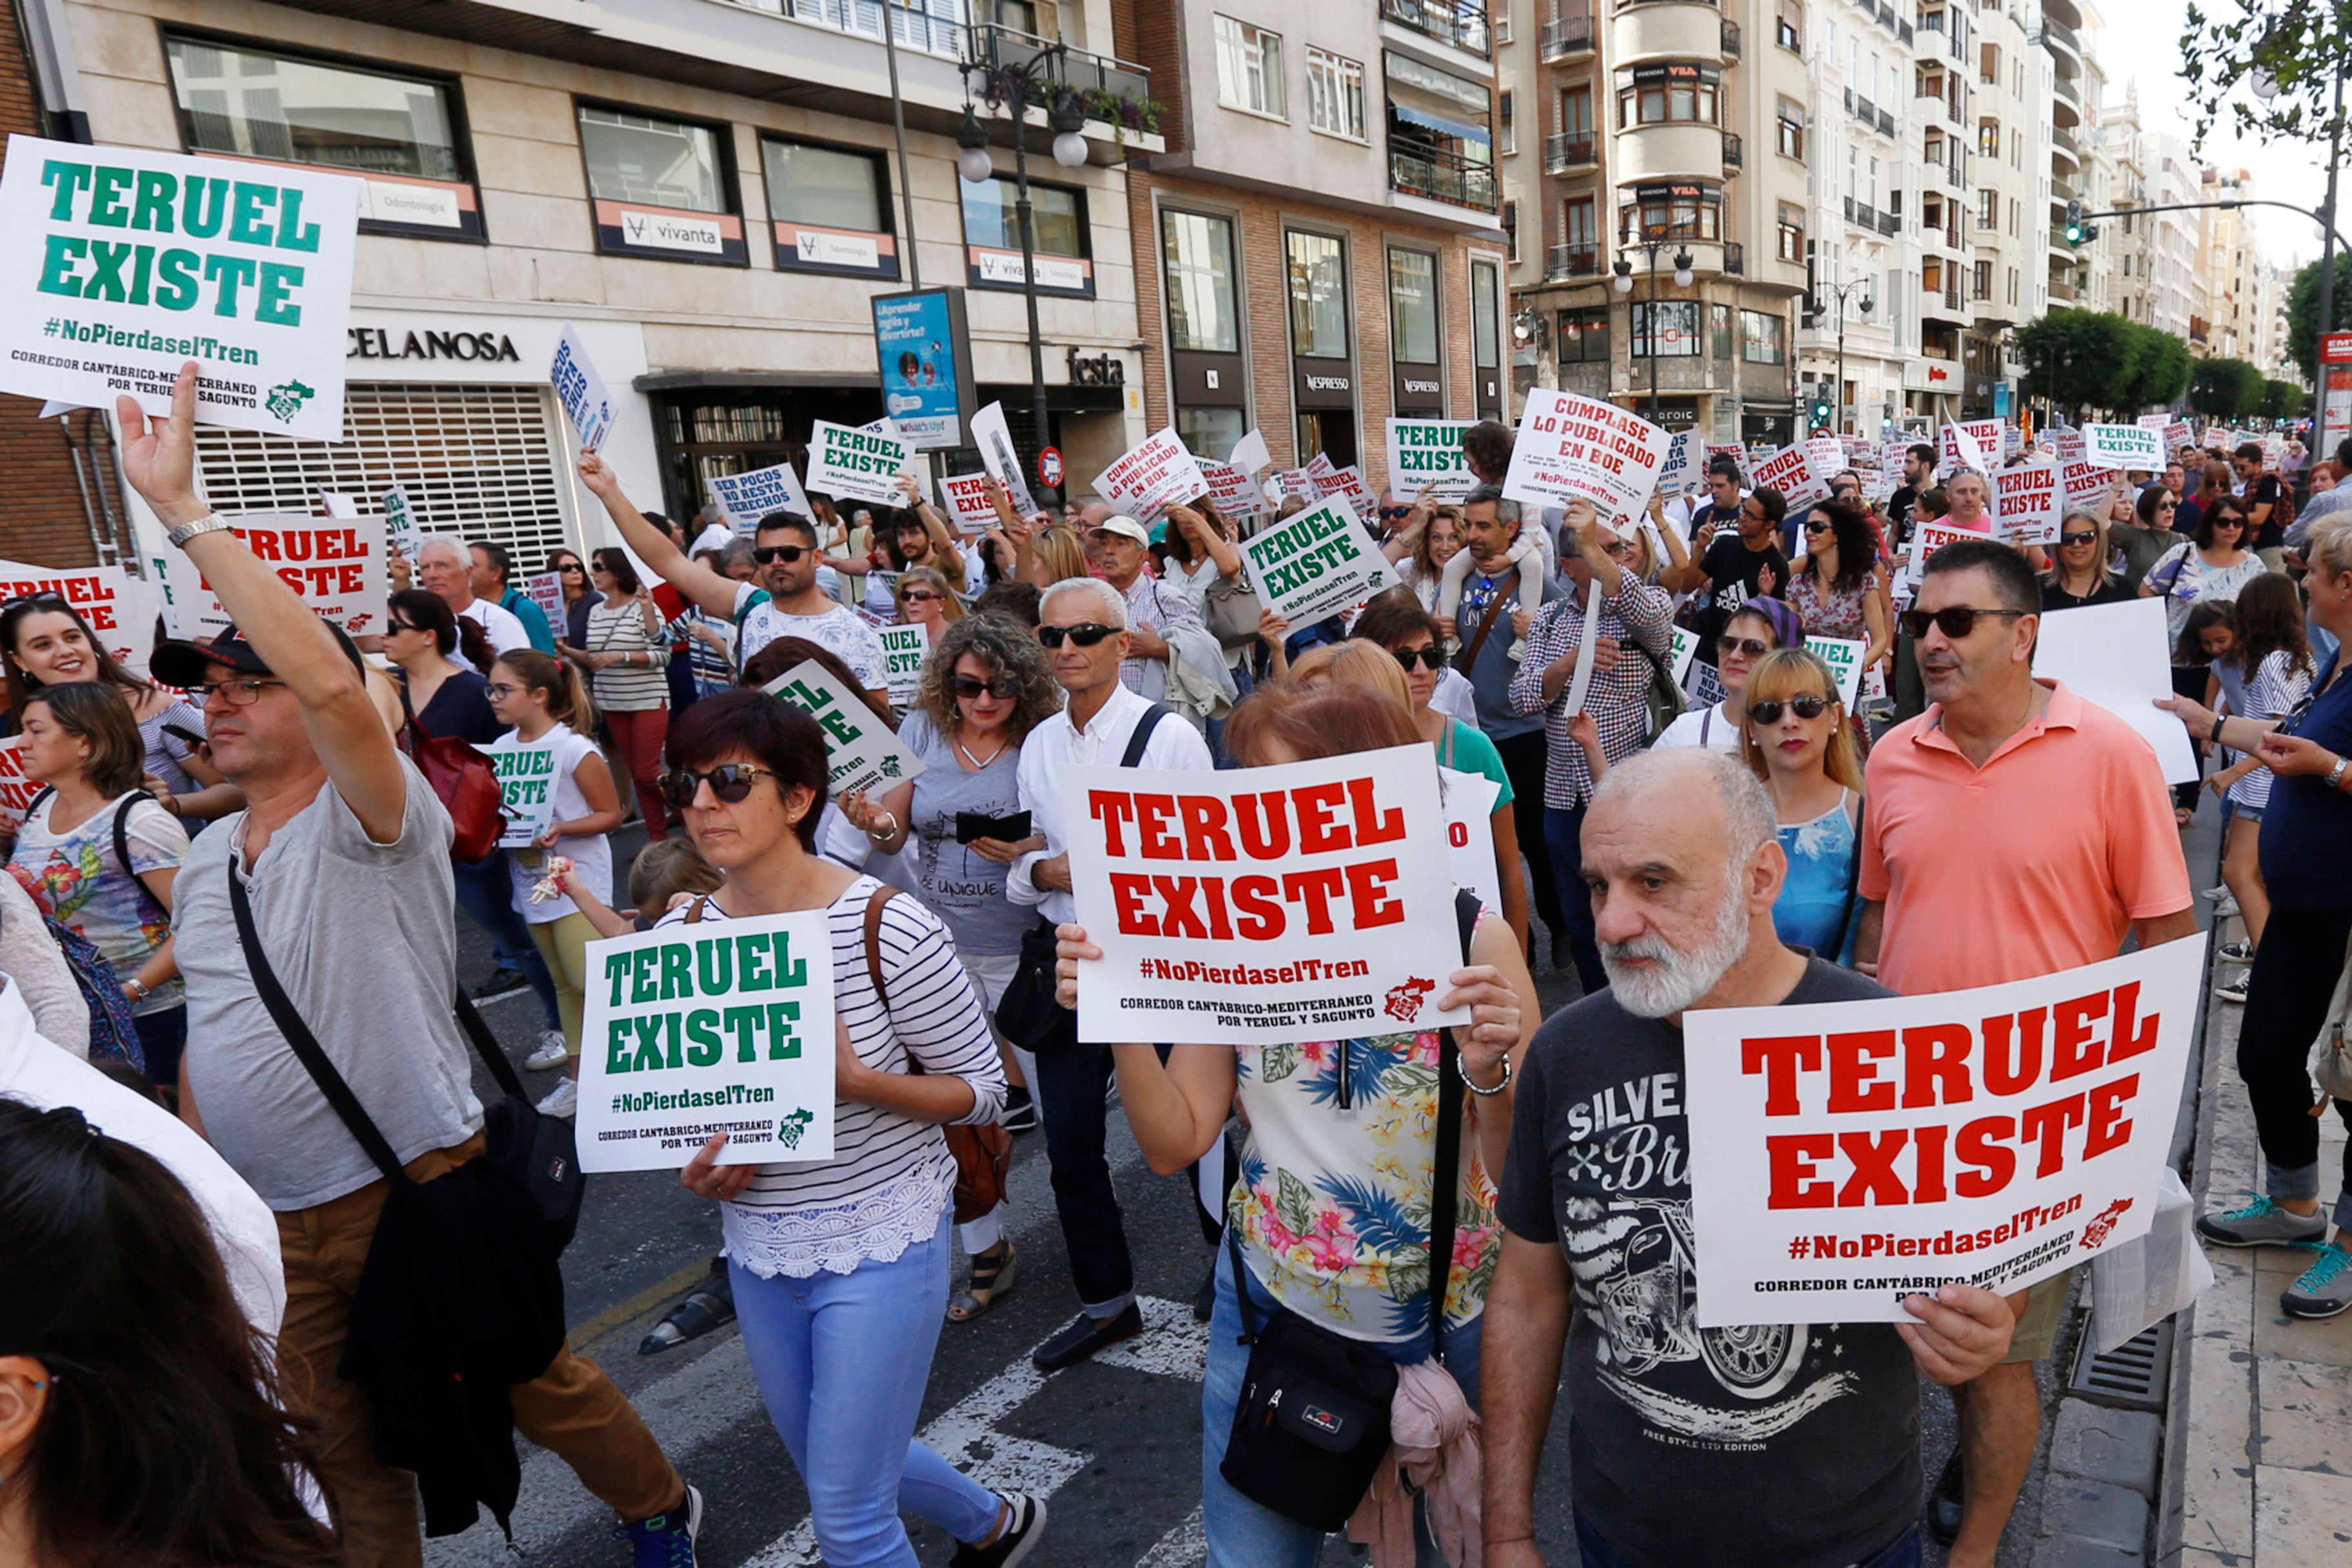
column 1082, row 622
column 446, row 569
column 1805, row 1440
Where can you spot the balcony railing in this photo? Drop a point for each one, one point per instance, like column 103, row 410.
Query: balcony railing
column 1569, row 150
column 1863, row 109
column 1566, row 37
column 1886, row 123
column 1890, row 223
column 1581, row 260
column 2066, row 33
column 1461, row 22
column 1441, row 177
column 1734, row 154
column 1112, row 90
column 1730, row 39
column 1735, row 259
column 1903, row 31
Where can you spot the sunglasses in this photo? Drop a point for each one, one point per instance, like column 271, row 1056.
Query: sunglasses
column 1390, row 513
column 2228, row 523
column 570, row 566
column 1003, row 687
column 1086, row 634
column 787, row 554
column 919, row 596
column 1748, row 646
column 2078, row 538
column 1816, row 527
column 1805, row 707
column 730, row 782
column 38, row 601
column 1956, row 622
column 1430, row 658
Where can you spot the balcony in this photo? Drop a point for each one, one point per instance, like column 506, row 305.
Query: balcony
column 2067, row 144
column 2064, row 88
column 1110, row 91
column 912, row 29
column 1862, row 215
column 1461, row 23
column 1735, row 154
column 1886, row 17
column 1567, row 261
column 2053, row 28
column 1730, row 39
column 1569, row 150
column 1567, row 37
column 1735, row 259
column 1890, row 223
column 1886, row 123
column 1441, row 176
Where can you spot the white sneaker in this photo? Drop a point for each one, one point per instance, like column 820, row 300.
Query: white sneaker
column 563, row 1100
column 2221, row 891
column 551, row 1053
column 2225, row 906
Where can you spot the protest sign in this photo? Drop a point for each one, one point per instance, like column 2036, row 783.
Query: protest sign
column 2067, row 445
column 527, row 779
column 1297, row 483
column 1250, row 454
column 1320, row 469
column 1316, row 564
column 1790, row 472
column 17, row 791
column 1704, row 689
column 861, row 753
column 2083, row 484
column 2153, row 421
column 1680, row 472
column 748, row 498
column 580, row 390
column 335, row 565
column 1425, row 453
column 1826, row 456
column 1152, row 476
column 545, row 589
column 2118, row 656
column 1571, row 448
column 903, row 649
column 400, row 530
column 1348, row 485
column 968, row 506
column 1927, row 538
column 1971, row 446
column 855, row 465
column 1272, row 904
column 2026, row 503
column 119, row 607
column 996, row 455
column 1684, row 649
column 2123, row 447
column 2176, row 436
column 1470, row 834
column 1844, row 656
column 2013, row 440
column 1235, row 493
column 694, row 1029
column 338, row 504
column 123, row 264
column 1846, row 1154
column 1587, row 648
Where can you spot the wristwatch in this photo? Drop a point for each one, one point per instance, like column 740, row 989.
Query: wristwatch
column 2336, row 774
column 209, row 524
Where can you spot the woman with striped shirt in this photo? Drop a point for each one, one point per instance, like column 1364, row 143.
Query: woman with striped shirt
column 626, row 667
column 840, row 1266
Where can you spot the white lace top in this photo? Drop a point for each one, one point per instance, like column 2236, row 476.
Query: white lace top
column 891, row 1177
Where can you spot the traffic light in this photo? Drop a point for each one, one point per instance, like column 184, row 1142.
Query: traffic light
column 1821, row 414
column 2076, row 232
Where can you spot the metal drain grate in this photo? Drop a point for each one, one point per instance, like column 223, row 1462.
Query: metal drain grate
column 2132, row 1377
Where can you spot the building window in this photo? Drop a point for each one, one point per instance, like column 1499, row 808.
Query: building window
column 1671, row 212
column 829, row 186
column 1335, row 95
column 1249, row 67
column 1989, row 138
column 1584, row 336
column 1506, row 135
column 1719, row 321
column 1792, row 232
column 1511, row 230
column 1988, row 209
column 1665, row 327
column 1989, row 65
column 1790, row 29
column 1319, row 294
column 1761, row 338
column 1793, row 129
column 1981, row 284
column 1576, row 113
column 2012, row 285
column 1666, row 95
column 1197, row 253
column 1486, row 320
column 1413, row 306
column 636, row 157
column 992, row 235
column 2012, row 220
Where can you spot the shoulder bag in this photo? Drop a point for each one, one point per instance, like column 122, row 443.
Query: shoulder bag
column 462, row 780
column 1230, row 610
column 1311, row 1427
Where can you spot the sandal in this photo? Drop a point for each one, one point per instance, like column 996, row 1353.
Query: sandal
column 992, row 1277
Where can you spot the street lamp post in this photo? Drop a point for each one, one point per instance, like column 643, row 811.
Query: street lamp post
column 1840, row 291
column 1624, row 285
column 2326, row 277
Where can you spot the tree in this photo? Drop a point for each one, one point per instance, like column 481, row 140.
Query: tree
column 2090, row 362
column 2302, row 312
column 2225, row 389
column 2283, row 400
column 2163, row 370
column 2295, row 45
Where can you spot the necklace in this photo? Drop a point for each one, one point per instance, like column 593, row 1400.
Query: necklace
column 979, row 763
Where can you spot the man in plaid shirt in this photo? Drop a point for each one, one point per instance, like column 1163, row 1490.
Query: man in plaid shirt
column 1616, row 698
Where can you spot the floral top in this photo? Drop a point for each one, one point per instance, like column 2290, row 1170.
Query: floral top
column 1837, row 616
column 1334, row 1199
column 75, row 879
column 2184, row 579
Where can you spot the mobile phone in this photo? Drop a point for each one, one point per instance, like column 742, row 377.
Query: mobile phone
column 184, row 733
column 973, row 824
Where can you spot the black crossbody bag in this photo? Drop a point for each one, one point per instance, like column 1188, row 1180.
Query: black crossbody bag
column 1312, row 1424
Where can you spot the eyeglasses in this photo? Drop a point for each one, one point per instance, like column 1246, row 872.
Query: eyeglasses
column 391, row 627
column 1429, row 656
column 919, row 596
column 243, row 691
column 1086, row 634
column 1003, row 687
column 1621, row 551
column 1956, row 622
column 1806, row 707
column 1390, row 513
column 498, row 689
column 787, row 554
column 730, row 782
column 2091, row 538
column 1748, row 646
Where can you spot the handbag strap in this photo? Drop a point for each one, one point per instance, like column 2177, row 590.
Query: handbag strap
column 1495, row 612
column 1446, row 1166
column 1140, row 737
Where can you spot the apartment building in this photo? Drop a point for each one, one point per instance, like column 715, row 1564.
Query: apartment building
column 1319, row 243
column 2010, row 268
column 2225, row 260
column 1952, row 285
column 709, row 191
column 2070, row 167
column 2155, row 254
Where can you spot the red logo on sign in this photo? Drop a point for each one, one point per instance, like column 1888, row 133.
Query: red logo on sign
column 1403, row 1002
column 2335, row 348
column 2095, row 1232
column 1049, row 468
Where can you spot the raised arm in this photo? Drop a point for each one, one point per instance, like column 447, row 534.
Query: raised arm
column 948, row 548
column 690, row 577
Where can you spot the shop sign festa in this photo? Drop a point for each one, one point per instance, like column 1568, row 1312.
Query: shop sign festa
column 903, row 649
column 1572, row 447
column 1316, row 564
column 119, row 608
column 748, row 498
column 1426, row 453
column 2026, row 503
column 855, row 465
column 692, row 1030
column 861, row 751
column 1846, row 1154
column 335, row 565
column 1276, row 904
column 123, row 264
column 1789, row 471
column 526, row 775
column 1151, row 478
column 2123, row 447
column 580, row 390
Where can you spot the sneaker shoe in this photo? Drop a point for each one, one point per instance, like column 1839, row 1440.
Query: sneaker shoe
column 666, row 1540
column 2234, row 990
column 551, row 1053
column 563, row 1100
column 1023, row 1528
column 2260, row 1224
column 2324, row 1288
column 2216, row 893
column 1083, row 1336
column 502, row 980
column 2237, row 951
column 1020, row 1111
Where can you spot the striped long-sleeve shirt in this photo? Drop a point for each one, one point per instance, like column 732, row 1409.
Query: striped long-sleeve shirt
column 1616, row 698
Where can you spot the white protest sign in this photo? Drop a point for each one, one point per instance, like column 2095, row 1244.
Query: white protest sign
column 1844, row 656
column 1272, row 904
column 580, row 390
column 1705, row 686
column 748, row 498
column 122, row 264
column 1234, row 492
column 2123, row 447
column 1297, row 484
column 1971, row 445
column 1685, row 649
column 903, row 649
column 545, row 589
column 338, row 504
column 1927, row 538
column 400, row 530
column 996, row 455
column 860, row 750
column 335, row 565
column 1790, row 472
column 1846, row 1154
column 1587, row 649
column 719, row 1026
column 1152, row 476
column 1426, row 453
column 17, row 791
column 1348, row 485
column 2119, row 656
column 2082, row 483
column 2176, row 436
column 1680, row 472
column 1571, row 448
column 527, row 780
column 1826, row 456
column 968, row 506
column 119, row 608
column 1470, row 834
column 2153, row 421
column 2026, row 503
column 1316, row 564
column 1320, row 469
column 855, row 465
column 2067, row 445
column 1250, row 454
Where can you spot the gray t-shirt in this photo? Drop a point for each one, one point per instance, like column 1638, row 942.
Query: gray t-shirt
column 364, row 938
column 1490, row 679
column 966, row 890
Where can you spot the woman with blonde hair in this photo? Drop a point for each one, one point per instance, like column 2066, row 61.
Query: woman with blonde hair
column 1797, row 737
column 1055, row 555
column 923, row 597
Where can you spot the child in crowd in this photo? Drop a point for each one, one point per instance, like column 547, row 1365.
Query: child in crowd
column 663, row 876
column 2272, row 657
column 1525, row 553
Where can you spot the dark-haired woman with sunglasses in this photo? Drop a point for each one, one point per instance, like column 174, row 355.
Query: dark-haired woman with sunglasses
column 572, row 573
column 1754, row 630
column 2078, row 577
column 2212, row 563
column 1797, row 737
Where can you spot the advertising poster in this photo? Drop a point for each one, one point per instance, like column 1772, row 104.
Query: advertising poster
column 996, row 455
column 748, row 498
column 861, row 751
column 124, row 264
column 119, row 608
column 1571, row 448
column 1316, row 564
column 903, row 649
column 1151, row 477
column 923, row 349
column 2026, row 503
column 690, row 1030
column 1846, row 1154
column 336, row 564
column 581, row 391
column 526, row 775
column 855, row 465
column 1271, row 904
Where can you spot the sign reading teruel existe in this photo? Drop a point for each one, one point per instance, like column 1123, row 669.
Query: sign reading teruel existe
column 1846, row 1154
column 1299, row 903
column 335, row 565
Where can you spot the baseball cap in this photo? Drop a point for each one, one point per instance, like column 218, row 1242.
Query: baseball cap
column 182, row 664
column 1124, row 527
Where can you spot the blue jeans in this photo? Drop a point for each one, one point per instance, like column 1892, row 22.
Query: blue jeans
column 1246, row 1534
column 1904, row 1551
column 486, row 892
column 1564, row 838
column 846, row 1356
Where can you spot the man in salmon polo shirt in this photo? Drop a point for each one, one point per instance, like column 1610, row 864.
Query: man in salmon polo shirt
column 1968, row 491
column 2012, row 830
